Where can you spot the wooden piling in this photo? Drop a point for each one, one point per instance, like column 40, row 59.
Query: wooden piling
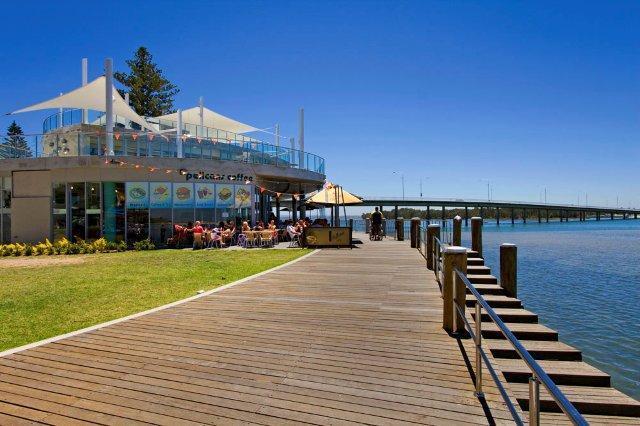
column 444, row 215
column 509, row 269
column 453, row 257
column 456, row 235
column 415, row 231
column 497, row 216
column 400, row 229
column 433, row 231
column 466, row 216
column 476, row 235
column 429, row 213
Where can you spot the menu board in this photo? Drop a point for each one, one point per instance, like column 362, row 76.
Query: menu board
column 242, row 197
column 183, row 195
column 224, row 196
column 205, row 194
column 160, row 195
column 137, row 195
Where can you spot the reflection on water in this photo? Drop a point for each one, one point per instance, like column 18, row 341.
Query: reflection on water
column 583, row 279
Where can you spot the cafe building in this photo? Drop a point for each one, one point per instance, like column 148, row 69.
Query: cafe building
column 99, row 169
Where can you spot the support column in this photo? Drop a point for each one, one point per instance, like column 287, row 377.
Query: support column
column 611, row 215
column 456, row 235
column 481, row 209
column 108, row 100
column 85, row 80
column 395, row 212
column 444, row 215
column 547, row 215
column 429, row 213
column 179, row 153
column 453, row 257
column 509, row 269
column 466, row 216
column 513, row 216
column 303, row 207
column 433, row 231
column 498, row 216
column 539, row 216
column 598, row 216
column 415, row 232
column 524, row 215
column 277, row 210
column 294, row 209
column 476, row 235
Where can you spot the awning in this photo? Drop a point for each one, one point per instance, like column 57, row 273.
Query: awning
column 92, row 96
column 211, row 119
column 333, row 195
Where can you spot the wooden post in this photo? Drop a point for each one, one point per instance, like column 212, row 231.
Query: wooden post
column 433, row 231
column 395, row 210
column 444, row 216
column 453, row 257
column 466, row 216
column 476, row 235
column 497, row 216
column 509, row 269
column 429, row 213
column 415, row 231
column 457, row 231
column 400, row 229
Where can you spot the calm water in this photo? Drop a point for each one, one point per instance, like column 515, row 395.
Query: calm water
column 582, row 279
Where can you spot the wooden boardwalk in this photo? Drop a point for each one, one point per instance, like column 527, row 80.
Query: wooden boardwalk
column 343, row 336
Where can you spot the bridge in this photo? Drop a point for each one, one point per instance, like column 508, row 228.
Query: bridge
column 564, row 211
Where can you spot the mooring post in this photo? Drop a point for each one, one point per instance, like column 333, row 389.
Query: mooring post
column 456, row 235
column 400, row 229
column 509, row 269
column 415, row 230
column 453, row 257
column 466, row 216
column 476, row 235
column 433, row 231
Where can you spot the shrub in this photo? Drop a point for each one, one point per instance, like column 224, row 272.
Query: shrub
column 100, row 245
column 121, row 246
column 27, row 250
column 144, row 245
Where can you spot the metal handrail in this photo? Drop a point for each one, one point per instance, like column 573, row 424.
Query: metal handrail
column 538, row 373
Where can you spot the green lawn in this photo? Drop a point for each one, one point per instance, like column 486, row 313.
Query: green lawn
column 45, row 301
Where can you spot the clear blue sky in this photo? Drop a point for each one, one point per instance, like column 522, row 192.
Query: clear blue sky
column 526, row 94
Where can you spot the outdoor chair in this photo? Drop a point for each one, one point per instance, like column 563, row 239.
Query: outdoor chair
column 295, row 239
column 197, row 240
column 242, row 240
column 251, row 239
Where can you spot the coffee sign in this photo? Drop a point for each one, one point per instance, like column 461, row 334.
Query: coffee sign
column 215, row 177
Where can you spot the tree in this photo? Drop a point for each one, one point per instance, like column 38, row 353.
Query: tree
column 150, row 93
column 15, row 145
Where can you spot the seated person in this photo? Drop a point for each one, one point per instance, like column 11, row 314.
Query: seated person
column 317, row 223
column 292, row 230
column 259, row 226
column 245, row 226
column 272, row 227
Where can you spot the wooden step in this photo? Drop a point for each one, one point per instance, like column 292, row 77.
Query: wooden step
column 572, row 373
column 473, row 254
column 586, row 399
column 522, row 331
column 487, row 289
column 478, row 270
column 561, row 419
column 539, row 349
column 475, row 261
column 510, row 315
column 496, row 301
column 482, row 279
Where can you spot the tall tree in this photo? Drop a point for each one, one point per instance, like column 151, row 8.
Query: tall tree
column 150, row 93
column 15, row 145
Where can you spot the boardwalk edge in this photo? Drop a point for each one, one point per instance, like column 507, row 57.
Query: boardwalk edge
column 152, row 310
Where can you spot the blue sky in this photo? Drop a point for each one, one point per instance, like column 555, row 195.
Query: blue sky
column 525, row 94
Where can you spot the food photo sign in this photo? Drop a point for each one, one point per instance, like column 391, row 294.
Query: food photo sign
column 224, row 196
column 160, row 195
column 205, row 194
column 183, row 195
column 137, row 194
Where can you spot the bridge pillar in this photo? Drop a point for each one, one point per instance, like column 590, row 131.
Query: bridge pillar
column 444, row 214
column 456, row 236
column 624, row 216
column 513, row 215
column 476, row 235
column 539, row 216
column 560, row 214
column 509, row 269
column 635, row 215
column 481, row 209
column 433, row 231
column 611, row 215
column 497, row 216
column 597, row 215
column 547, row 215
column 453, row 257
column 429, row 214
column 466, row 216
column 415, row 232
column 395, row 212
column 524, row 215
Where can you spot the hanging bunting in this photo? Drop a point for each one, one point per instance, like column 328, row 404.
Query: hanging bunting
column 116, row 135
column 150, row 135
column 134, row 136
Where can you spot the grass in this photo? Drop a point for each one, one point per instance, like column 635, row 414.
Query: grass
column 45, row 301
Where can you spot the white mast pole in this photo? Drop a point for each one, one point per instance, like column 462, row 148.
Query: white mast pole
column 85, row 78
column 108, row 70
column 179, row 135
column 278, row 135
column 301, row 137
column 126, row 100
column 201, row 103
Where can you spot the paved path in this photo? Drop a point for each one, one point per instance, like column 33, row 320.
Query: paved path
column 343, row 336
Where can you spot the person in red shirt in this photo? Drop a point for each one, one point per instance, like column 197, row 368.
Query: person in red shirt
column 197, row 229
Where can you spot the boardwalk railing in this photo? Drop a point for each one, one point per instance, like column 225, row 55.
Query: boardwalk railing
column 538, row 373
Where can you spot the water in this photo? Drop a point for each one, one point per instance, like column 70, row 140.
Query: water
column 582, row 279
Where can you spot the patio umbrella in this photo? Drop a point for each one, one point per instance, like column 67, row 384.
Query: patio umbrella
column 335, row 195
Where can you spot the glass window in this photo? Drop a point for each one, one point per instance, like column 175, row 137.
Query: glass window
column 137, row 225
column 77, row 206
column 93, row 210
column 183, row 216
column 59, row 211
column 113, row 209
column 161, row 226
column 205, row 215
column 6, row 227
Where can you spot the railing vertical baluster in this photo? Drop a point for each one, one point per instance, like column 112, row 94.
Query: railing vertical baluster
column 478, row 333
column 534, row 401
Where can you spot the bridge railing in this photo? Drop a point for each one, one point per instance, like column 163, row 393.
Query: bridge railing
column 539, row 375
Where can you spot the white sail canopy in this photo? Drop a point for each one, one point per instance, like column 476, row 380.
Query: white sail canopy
column 210, row 119
column 92, row 96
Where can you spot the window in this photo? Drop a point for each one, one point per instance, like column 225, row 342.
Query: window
column 93, row 210
column 77, row 206
column 113, row 210
column 59, row 211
